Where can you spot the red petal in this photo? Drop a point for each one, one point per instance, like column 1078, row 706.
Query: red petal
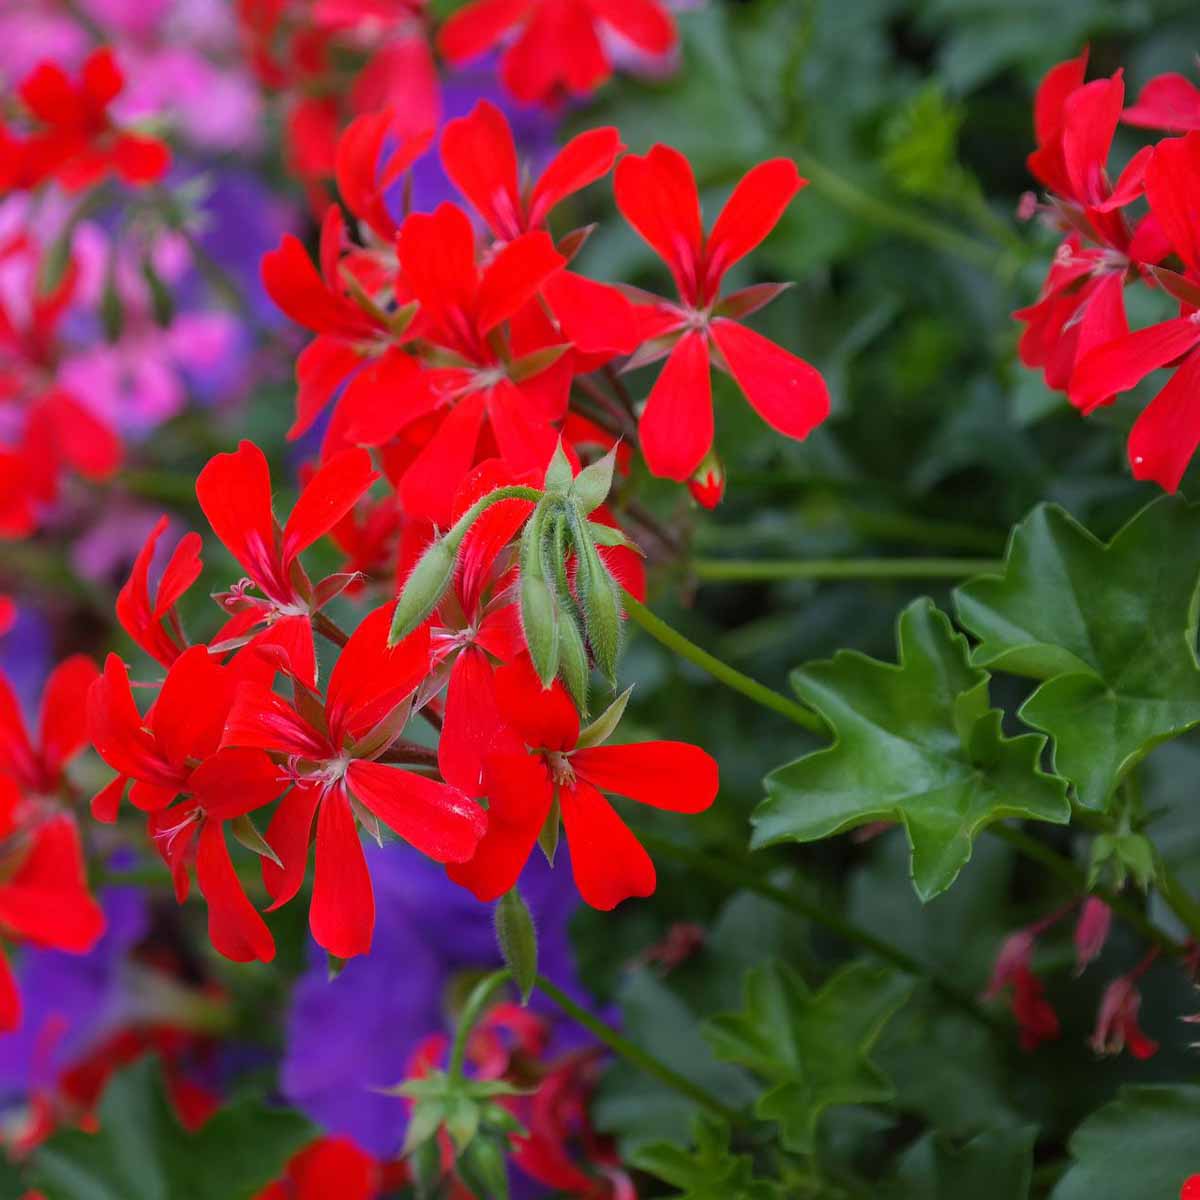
column 608, row 862
column 140, row 160
column 234, row 491
column 389, row 393
column 10, row 998
column 477, row 27
column 1058, row 83
column 115, row 726
column 292, row 282
column 262, row 719
column 84, row 441
column 1092, row 114
column 1102, row 318
column 106, row 803
column 189, row 715
column 16, row 752
column 342, row 916
column 1165, row 436
column 514, row 276
column 519, row 799
column 788, row 393
column 437, row 255
column 234, row 926
column 101, row 77
column 323, row 366
column 1170, row 102
column 438, row 820
column 471, row 723
column 1172, row 180
column 647, row 24
column 326, row 499
column 1123, row 364
column 63, row 731
column 670, row 775
column 370, row 679
column 427, row 489
column 594, row 317
column 288, row 644
column 233, row 782
column 545, row 718
column 480, row 158
column 289, row 834
column 753, row 210
column 582, row 161
column 676, row 428
column 657, row 196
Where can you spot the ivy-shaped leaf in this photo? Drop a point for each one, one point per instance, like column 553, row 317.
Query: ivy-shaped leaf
column 141, row 1152
column 997, row 1165
column 1111, row 629
column 916, row 743
column 709, row 1172
column 1144, row 1144
column 811, row 1047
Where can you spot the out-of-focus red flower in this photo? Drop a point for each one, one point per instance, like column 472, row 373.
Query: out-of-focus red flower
column 1091, row 931
column 557, row 46
column 330, row 1166
column 1168, row 102
column 75, row 141
column 333, row 757
column 1117, row 1026
column 1013, row 972
column 544, row 764
column 1191, row 1188
column 142, row 618
column 658, row 197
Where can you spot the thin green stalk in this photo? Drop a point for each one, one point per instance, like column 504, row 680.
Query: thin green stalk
column 730, row 570
column 741, row 876
column 634, row 1054
column 472, row 1010
column 665, row 635
column 909, row 222
column 1178, row 899
column 1076, row 877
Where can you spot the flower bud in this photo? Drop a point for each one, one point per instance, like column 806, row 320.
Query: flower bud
column 601, row 602
column 517, row 940
column 707, row 484
column 425, row 586
column 539, row 607
column 573, row 664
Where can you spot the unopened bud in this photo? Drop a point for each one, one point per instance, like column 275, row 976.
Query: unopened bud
column 707, row 484
column 424, row 588
column 573, row 664
column 601, row 601
column 517, row 940
column 539, row 607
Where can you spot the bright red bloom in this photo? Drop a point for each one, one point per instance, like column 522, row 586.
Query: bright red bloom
column 1165, row 436
column 141, row 617
column 78, row 144
column 545, row 763
column 657, row 195
column 333, row 760
column 557, row 45
column 1169, row 102
column 44, row 897
column 331, row 1166
column 1191, row 1188
column 1117, row 1026
column 234, row 491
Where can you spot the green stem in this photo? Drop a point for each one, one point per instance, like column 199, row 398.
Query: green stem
column 634, row 1054
column 1178, row 899
column 744, row 877
column 472, row 1010
column 911, row 223
column 1076, row 877
column 665, row 635
column 736, row 569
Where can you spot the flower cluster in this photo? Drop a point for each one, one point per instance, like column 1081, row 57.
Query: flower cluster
column 1142, row 229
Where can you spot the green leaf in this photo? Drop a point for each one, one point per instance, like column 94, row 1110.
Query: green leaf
column 997, row 1165
column 709, row 1172
column 518, row 940
column 1142, row 1144
column 1111, row 629
column 811, row 1047
column 916, row 743
column 142, row 1152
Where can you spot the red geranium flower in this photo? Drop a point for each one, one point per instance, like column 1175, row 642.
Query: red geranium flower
column 544, row 763
column 234, row 491
column 143, row 618
column 79, row 143
column 557, row 45
column 657, row 195
column 330, row 1166
column 333, row 755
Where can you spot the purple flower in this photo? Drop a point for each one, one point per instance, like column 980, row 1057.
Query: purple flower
column 356, row 1033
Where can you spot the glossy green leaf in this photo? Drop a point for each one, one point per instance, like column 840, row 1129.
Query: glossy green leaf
column 915, row 743
column 1144, row 1144
column 1111, row 629
column 811, row 1047
column 709, row 1171
column 142, row 1152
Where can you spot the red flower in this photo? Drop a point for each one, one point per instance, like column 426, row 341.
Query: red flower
column 142, row 618
column 478, row 389
column 1165, row 436
column 234, row 491
column 1191, row 1188
column 1117, row 1026
column 8, row 614
column 1168, row 102
column 1036, row 1019
column 333, row 763
column 544, row 763
column 44, row 898
column 330, row 1166
column 79, row 144
column 557, row 45
column 657, row 195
